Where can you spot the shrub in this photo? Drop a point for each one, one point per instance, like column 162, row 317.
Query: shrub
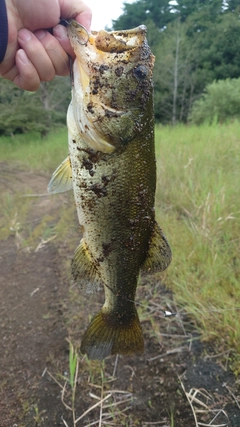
column 219, row 103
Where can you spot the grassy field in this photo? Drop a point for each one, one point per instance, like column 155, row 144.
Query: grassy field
column 197, row 205
column 42, row 154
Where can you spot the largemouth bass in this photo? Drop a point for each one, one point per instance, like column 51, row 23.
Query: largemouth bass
column 112, row 169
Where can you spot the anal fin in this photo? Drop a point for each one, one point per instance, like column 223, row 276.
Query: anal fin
column 159, row 254
column 62, row 178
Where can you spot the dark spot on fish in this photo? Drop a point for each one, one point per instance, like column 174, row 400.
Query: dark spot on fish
column 103, row 68
column 100, row 259
column 124, row 141
column 109, row 113
column 133, row 222
column 138, row 127
column 114, row 103
column 119, row 71
column 131, row 95
column 90, row 108
column 87, row 164
column 98, row 190
column 107, row 248
column 130, row 242
column 107, row 179
column 93, row 155
column 74, row 141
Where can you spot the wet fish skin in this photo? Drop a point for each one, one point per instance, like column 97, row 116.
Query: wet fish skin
column 113, row 170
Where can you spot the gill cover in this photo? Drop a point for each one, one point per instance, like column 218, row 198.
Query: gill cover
column 112, row 85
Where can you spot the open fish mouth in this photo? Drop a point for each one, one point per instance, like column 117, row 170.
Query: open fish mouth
column 112, row 42
column 105, row 86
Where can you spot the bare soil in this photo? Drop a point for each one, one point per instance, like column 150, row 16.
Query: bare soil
column 39, row 311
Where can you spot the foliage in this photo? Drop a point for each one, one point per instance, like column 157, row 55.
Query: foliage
column 137, row 13
column 173, row 75
column 24, row 111
column 221, row 102
column 194, row 43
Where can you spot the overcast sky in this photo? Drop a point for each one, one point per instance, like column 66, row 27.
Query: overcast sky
column 104, row 11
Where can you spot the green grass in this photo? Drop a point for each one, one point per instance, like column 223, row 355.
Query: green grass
column 197, row 205
column 42, row 154
column 33, row 153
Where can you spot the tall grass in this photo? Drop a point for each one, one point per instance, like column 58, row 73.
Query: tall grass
column 198, row 205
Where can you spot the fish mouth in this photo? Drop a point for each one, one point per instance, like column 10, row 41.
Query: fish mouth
column 104, row 41
column 98, row 55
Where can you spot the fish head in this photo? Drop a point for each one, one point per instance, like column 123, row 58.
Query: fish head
column 112, row 85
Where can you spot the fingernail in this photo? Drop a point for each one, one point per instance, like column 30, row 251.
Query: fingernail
column 24, row 35
column 40, row 34
column 60, row 32
column 22, row 56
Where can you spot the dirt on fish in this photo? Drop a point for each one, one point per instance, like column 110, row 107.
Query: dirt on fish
column 40, row 311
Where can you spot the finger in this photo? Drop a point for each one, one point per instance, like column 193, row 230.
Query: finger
column 60, row 33
column 27, row 77
column 11, row 73
column 85, row 19
column 37, row 54
column 55, row 52
column 9, row 59
column 78, row 10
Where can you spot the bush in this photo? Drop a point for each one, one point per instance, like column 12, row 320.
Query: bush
column 219, row 103
column 40, row 111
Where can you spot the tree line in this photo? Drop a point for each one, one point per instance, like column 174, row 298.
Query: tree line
column 196, row 44
column 22, row 111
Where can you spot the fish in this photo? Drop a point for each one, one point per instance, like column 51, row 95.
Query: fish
column 112, row 169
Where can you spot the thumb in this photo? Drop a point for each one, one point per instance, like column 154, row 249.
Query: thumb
column 78, row 10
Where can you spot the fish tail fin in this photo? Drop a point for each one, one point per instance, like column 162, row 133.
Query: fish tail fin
column 107, row 334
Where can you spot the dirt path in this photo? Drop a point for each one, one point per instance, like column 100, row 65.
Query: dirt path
column 38, row 314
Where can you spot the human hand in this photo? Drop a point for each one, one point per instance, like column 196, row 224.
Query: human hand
column 33, row 53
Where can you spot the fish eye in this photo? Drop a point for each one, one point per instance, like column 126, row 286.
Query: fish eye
column 140, row 72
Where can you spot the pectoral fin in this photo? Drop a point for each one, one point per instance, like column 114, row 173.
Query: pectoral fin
column 84, row 271
column 159, row 254
column 62, row 178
